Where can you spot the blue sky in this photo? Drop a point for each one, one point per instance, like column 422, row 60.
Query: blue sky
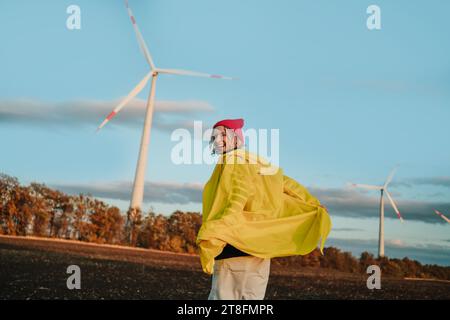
column 350, row 103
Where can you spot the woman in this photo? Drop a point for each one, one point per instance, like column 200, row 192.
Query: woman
column 252, row 213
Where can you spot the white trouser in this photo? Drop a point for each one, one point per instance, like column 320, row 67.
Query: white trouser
column 240, row 278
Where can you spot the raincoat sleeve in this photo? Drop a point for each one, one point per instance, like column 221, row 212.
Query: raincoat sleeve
column 295, row 189
column 240, row 189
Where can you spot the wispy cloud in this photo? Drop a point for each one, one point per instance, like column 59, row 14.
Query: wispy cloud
column 396, row 248
column 440, row 181
column 163, row 192
column 340, row 202
column 348, row 202
column 93, row 112
column 396, row 243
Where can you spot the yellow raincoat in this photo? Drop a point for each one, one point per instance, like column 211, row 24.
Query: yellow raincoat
column 264, row 215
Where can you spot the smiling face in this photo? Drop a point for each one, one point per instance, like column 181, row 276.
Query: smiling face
column 223, row 139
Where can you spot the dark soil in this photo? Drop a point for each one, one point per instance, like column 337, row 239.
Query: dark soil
column 33, row 268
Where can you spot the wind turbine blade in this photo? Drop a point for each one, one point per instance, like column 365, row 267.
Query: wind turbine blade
column 141, row 41
column 442, row 215
column 389, row 178
column 127, row 99
column 193, row 74
column 366, row 186
column 394, row 205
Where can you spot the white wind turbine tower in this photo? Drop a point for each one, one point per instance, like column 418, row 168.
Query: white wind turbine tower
column 138, row 187
column 383, row 189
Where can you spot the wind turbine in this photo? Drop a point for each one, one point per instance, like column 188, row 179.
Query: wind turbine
column 383, row 189
column 442, row 216
column 138, row 187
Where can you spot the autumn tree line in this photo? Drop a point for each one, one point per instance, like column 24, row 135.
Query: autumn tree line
column 37, row 210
